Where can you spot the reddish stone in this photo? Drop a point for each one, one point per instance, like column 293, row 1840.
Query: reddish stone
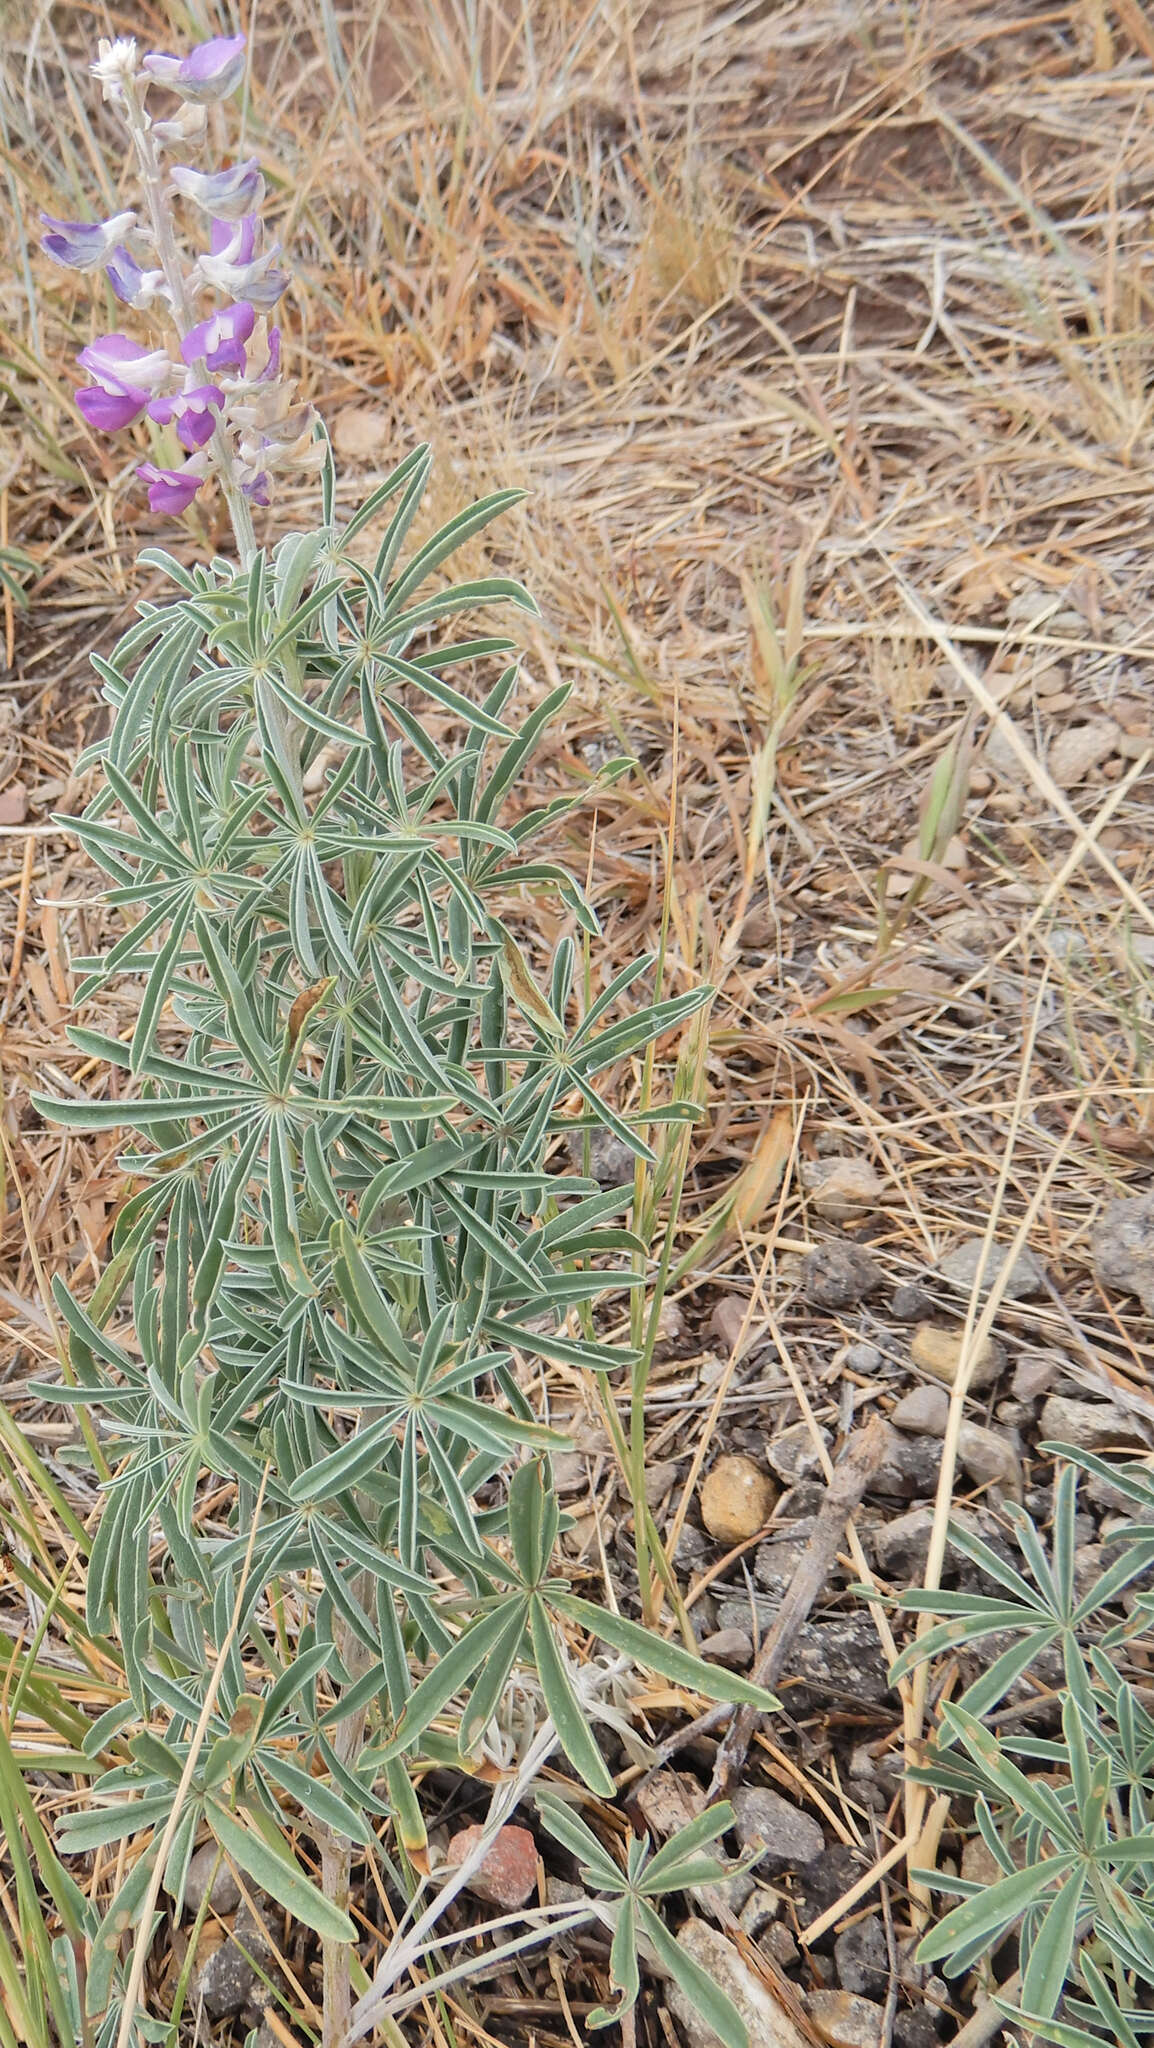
column 508, row 1875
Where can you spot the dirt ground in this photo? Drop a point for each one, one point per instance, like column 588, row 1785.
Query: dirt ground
column 819, row 337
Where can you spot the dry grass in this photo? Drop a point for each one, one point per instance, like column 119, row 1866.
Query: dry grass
column 819, row 335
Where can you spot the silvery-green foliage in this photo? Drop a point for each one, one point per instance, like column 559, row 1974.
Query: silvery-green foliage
column 347, row 1231
column 630, row 1902
column 1068, row 1821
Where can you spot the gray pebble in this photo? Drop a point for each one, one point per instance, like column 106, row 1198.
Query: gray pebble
column 788, row 1838
column 960, row 1267
column 837, row 1274
column 862, row 1959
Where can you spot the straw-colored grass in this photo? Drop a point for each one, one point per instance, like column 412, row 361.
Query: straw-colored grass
column 820, row 337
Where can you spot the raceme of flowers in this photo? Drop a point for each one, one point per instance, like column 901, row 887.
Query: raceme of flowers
column 219, row 390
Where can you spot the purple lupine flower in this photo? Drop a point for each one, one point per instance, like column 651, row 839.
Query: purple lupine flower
column 120, row 364
column 126, row 377
column 83, row 244
column 257, row 489
column 233, row 264
column 225, row 194
column 110, row 410
column 169, row 490
column 209, row 73
column 135, row 286
column 193, row 413
column 220, row 340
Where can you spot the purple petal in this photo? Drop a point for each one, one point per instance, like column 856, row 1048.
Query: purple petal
column 272, row 366
column 120, row 364
column 234, row 241
column 210, row 72
column 84, row 244
column 169, row 490
column 256, row 490
column 226, row 194
column 110, row 410
column 266, row 287
column 193, row 413
column 219, row 341
column 124, row 274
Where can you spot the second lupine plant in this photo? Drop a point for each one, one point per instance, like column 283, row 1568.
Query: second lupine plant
column 211, row 374
column 349, row 1255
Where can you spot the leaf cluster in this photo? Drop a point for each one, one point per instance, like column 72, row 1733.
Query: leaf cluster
column 1068, row 1822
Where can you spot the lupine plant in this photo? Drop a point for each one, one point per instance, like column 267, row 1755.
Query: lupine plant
column 1067, row 1821
column 328, row 1545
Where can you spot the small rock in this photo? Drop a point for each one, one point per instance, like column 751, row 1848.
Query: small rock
column 1015, row 1414
column 1034, row 1375
column 1087, row 1425
column 691, row 1548
column 912, row 1302
column 989, row 1458
column 667, row 1801
column 916, row 2027
column 508, row 1875
column 670, row 1322
column 863, row 1960
column 939, row 1351
column 208, row 1868
column 846, row 2021
column 759, row 1911
column 660, row 1477
column 732, row 1647
column 909, row 1467
column 13, row 804
column 781, row 1946
column 561, row 1891
column 863, row 1358
column 841, row 1658
column 960, row 1267
column 999, row 755
column 611, row 1163
column 787, row 1838
column 837, row 1274
column 767, row 2023
column 980, row 1864
column 737, row 1499
column 822, row 1883
column 228, row 1980
column 727, row 1322
column 1081, row 747
column 793, row 1453
column 776, row 1562
column 924, row 1411
column 1122, row 1243
column 842, row 1189
column 902, row 1546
